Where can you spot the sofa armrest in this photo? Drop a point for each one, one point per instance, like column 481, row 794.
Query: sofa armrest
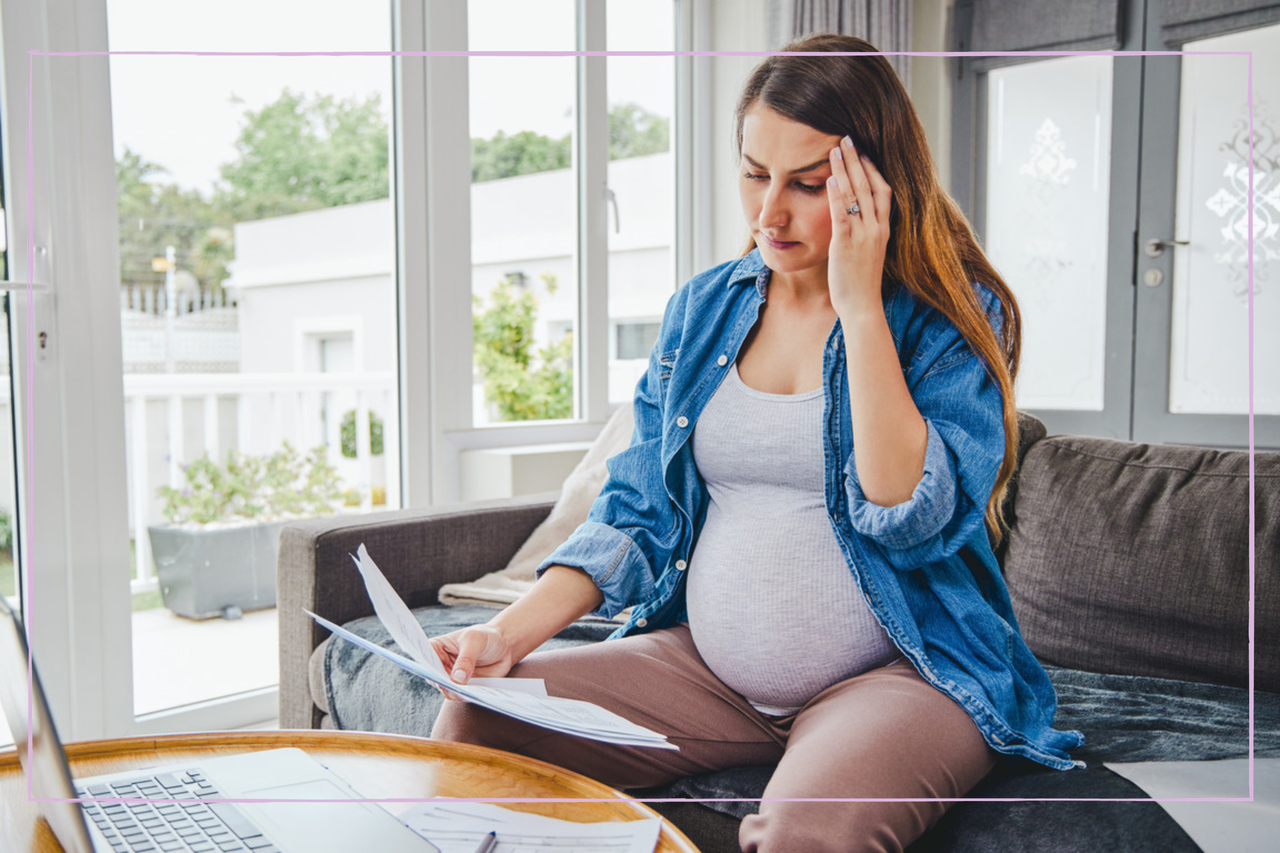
column 419, row 550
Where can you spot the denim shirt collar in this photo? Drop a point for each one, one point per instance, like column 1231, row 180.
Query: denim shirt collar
column 751, row 268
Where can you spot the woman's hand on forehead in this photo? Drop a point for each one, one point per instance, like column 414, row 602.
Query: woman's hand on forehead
column 858, row 238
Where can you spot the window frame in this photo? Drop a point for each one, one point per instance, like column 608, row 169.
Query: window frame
column 74, row 523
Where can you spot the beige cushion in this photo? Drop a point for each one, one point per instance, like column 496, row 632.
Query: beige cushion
column 580, row 490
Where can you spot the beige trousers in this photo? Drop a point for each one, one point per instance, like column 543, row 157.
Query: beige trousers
column 883, row 734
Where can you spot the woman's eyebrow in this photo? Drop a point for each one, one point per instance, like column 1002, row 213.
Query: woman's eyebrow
column 824, row 161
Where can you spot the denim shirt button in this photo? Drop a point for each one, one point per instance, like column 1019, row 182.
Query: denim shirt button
column 640, row 623
column 682, row 422
column 722, row 360
column 681, row 565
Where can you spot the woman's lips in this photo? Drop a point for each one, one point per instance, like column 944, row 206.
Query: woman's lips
column 776, row 244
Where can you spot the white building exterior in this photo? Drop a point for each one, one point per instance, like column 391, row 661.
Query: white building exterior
column 316, row 291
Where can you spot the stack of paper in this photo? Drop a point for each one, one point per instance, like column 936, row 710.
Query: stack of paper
column 519, row 698
column 460, row 827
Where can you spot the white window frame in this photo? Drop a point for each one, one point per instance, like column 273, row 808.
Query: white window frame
column 449, row 315
column 72, row 542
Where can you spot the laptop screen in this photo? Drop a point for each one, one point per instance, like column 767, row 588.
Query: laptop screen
column 46, row 766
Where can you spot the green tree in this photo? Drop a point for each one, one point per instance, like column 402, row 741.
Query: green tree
column 522, row 153
column 299, row 153
column 154, row 214
column 633, row 132
column 525, row 385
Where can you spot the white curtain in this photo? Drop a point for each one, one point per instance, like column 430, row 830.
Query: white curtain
column 884, row 23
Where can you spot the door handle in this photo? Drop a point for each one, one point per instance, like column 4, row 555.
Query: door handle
column 1155, row 246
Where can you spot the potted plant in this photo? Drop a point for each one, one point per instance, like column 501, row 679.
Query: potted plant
column 217, row 554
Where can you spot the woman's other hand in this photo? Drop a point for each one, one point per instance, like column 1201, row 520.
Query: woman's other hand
column 477, row 650
column 858, row 240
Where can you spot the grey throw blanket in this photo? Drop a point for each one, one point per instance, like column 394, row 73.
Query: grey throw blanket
column 1124, row 718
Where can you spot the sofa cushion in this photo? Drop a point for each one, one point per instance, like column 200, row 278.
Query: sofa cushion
column 1131, row 558
column 365, row 692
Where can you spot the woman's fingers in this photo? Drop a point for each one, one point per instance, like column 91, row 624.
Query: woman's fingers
column 880, row 190
column 471, row 645
column 852, row 183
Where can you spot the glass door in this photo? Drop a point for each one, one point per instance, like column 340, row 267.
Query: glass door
column 1193, row 244
column 258, row 312
column 1113, row 195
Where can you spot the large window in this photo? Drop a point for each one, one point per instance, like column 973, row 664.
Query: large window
column 248, row 251
column 257, row 315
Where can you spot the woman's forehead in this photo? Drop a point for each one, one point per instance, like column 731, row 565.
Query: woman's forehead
column 769, row 136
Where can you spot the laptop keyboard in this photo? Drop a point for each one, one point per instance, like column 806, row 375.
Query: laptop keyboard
column 183, row 825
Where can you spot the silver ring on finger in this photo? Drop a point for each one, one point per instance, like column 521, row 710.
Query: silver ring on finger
column 853, row 209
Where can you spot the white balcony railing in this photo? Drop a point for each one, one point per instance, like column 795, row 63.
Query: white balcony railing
column 186, row 415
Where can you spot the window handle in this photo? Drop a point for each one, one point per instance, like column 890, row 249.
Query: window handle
column 617, row 220
column 1155, row 246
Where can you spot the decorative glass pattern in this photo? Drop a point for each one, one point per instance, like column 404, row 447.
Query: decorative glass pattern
column 1048, row 169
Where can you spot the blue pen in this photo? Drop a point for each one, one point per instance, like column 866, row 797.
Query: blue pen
column 490, row 841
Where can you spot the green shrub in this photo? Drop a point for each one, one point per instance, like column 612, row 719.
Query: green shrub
column 525, row 385
column 348, row 430
column 283, row 483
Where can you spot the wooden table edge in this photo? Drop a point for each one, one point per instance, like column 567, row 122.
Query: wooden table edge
column 352, row 741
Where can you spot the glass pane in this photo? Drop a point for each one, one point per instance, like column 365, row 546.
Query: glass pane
column 1209, row 341
column 642, row 179
column 523, row 210
column 1048, row 172
column 257, row 310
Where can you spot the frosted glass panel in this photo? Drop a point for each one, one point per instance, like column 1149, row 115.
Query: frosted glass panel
column 1209, row 344
column 1048, row 167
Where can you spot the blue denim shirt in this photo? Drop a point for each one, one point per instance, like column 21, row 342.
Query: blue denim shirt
column 925, row 566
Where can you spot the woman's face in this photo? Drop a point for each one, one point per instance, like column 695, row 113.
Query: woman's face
column 783, row 175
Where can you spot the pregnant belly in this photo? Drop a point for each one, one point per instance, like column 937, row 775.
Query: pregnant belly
column 776, row 612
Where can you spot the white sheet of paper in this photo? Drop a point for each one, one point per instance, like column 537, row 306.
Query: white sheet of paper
column 395, row 614
column 1243, row 827
column 557, row 714
column 459, row 828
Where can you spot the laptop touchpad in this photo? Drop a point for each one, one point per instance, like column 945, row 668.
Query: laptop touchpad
column 315, row 789
column 312, row 825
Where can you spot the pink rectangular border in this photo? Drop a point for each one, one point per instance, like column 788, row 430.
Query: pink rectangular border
column 30, row 483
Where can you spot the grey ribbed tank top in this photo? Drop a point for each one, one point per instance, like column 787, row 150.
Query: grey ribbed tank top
column 773, row 608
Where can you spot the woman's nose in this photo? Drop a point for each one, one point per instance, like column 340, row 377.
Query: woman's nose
column 773, row 210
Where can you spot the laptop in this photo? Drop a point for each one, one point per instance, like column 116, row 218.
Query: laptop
column 186, row 813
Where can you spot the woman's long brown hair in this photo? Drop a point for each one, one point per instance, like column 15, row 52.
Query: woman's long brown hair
column 932, row 251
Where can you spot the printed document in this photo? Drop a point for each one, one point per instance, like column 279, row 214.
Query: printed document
column 527, row 702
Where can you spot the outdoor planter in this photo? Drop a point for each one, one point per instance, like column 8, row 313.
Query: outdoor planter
column 219, row 571
column 217, row 556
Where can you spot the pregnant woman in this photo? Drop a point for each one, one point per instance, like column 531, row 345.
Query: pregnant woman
column 802, row 524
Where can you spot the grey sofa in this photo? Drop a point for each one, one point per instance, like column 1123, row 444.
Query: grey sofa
column 1128, row 566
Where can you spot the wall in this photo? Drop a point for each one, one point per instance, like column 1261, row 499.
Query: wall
column 931, row 77
column 735, row 25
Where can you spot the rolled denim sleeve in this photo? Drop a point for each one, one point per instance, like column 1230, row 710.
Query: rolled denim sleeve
column 614, row 562
column 905, row 526
column 964, row 414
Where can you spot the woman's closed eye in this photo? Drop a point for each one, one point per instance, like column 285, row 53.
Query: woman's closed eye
column 811, row 189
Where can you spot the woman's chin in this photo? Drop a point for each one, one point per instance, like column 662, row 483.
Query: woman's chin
column 788, row 260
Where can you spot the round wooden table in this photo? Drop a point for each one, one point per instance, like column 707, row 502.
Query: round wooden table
column 378, row 766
